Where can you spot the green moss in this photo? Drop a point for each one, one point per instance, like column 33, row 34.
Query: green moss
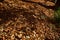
column 57, row 15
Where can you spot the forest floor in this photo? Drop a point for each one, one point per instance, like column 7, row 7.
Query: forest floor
column 27, row 20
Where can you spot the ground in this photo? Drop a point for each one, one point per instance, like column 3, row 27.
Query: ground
column 27, row 20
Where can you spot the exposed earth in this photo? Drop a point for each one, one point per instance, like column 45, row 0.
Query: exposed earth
column 28, row 20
